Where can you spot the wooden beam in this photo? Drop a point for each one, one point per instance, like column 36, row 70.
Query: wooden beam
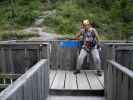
column 10, row 76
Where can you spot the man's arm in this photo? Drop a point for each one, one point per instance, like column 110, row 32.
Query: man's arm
column 75, row 37
column 78, row 35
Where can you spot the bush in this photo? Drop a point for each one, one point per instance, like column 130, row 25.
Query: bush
column 22, row 12
column 6, row 35
column 66, row 27
column 70, row 15
column 61, row 25
column 106, row 37
column 68, row 19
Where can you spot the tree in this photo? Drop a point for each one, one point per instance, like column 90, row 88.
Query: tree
column 13, row 11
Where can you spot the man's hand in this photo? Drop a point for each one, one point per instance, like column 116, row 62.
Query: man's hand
column 69, row 38
column 72, row 38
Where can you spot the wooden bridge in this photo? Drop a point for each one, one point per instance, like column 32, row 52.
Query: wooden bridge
column 33, row 70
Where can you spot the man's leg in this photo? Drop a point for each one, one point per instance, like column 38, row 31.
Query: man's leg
column 80, row 60
column 97, row 60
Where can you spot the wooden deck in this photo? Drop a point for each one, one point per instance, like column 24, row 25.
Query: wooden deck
column 75, row 98
column 66, row 81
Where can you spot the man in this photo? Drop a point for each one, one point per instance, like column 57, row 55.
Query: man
column 90, row 45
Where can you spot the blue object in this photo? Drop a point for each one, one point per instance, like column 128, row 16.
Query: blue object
column 69, row 43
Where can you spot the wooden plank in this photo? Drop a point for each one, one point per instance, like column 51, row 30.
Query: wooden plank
column 39, row 83
column 45, row 52
column 32, row 57
column 124, row 88
column 130, row 90
column 94, row 83
column 11, row 63
column 105, row 80
column 54, row 55
column 3, row 60
column 43, row 71
column 59, row 80
column 110, row 81
column 26, row 59
column 35, row 88
column 52, row 76
column 118, row 85
column 75, row 98
column 82, row 81
column 19, row 46
column 19, row 61
column 101, row 79
column 125, row 47
column 27, row 87
column 124, row 58
column 70, row 82
column 131, row 60
column 3, row 86
column 38, row 54
column 9, row 43
column 33, row 81
column 114, row 75
column 46, row 80
column 67, row 57
column 13, row 76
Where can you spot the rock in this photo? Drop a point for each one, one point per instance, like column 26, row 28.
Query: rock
column 39, row 22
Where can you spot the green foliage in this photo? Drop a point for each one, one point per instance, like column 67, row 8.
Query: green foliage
column 70, row 15
column 122, row 13
column 6, row 35
column 106, row 37
column 61, row 25
column 67, row 20
column 127, row 30
column 113, row 18
column 70, row 10
column 22, row 12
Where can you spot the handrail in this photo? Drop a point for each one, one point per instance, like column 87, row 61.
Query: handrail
column 108, row 41
column 20, row 43
column 119, row 43
column 118, row 81
column 121, row 68
column 18, row 85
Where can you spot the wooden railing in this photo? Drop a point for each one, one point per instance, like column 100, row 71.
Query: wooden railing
column 32, row 85
column 118, row 82
column 120, row 52
column 60, row 57
column 16, row 57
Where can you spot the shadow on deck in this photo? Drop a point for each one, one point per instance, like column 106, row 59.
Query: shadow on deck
column 66, row 83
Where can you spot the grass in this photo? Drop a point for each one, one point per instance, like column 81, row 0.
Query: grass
column 8, row 35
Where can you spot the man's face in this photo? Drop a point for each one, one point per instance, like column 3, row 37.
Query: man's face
column 87, row 26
